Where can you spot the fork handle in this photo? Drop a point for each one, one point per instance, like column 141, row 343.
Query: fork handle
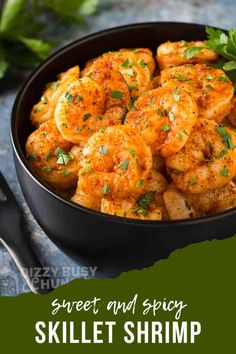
column 27, row 263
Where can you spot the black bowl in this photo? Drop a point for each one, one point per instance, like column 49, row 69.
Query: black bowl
column 112, row 243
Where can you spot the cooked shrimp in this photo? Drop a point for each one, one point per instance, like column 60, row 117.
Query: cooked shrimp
column 116, row 163
column 78, row 113
column 232, row 113
column 44, row 109
column 148, row 206
column 177, row 204
column 86, row 200
column 129, row 208
column 210, row 87
column 134, row 70
column 145, row 55
column 115, row 87
column 52, row 157
column 164, row 117
column 207, row 160
column 178, row 53
column 215, row 200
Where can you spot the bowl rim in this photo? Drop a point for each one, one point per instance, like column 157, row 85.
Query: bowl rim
column 24, row 163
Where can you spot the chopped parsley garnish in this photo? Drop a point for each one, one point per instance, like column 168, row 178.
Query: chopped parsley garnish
column 43, row 100
column 166, row 111
column 105, row 189
column 227, row 138
column 125, row 64
column 191, row 182
column 47, row 169
column 132, row 152
column 224, row 172
column 32, row 156
column 142, row 63
column 165, row 128
column 69, row 97
column 179, row 136
column 223, row 79
column 181, row 78
column 129, row 72
column 140, row 182
column 65, row 172
column 100, row 116
column 132, row 87
column 176, row 94
column 176, row 171
column 55, row 86
column 159, row 111
column 185, row 132
column 102, row 130
column 183, row 43
column 79, row 98
column 145, row 200
column 36, row 110
column 142, row 212
column 103, row 150
column 59, row 151
column 209, row 87
column 117, row 94
column 90, row 170
column 124, row 165
column 86, row 116
column 171, row 117
column 209, row 77
column 190, row 52
column 63, row 158
column 223, row 153
column 48, row 156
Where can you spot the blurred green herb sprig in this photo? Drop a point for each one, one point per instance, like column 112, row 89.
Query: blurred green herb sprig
column 22, row 22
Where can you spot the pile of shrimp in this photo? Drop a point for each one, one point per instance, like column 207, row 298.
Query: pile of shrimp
column 138, row 136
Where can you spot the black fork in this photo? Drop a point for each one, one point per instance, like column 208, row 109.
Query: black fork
column 18, row 245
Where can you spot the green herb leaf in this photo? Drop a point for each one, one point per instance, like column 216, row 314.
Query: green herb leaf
column 37, row 46
column 116, row 94
column 86, row 116
column 231, row 65
column 3, row 67
column 43, row 100
column 165, row 128
column 142, row 63
column 227, row 138
column 11, row 10
column 171, row 117
column 103, row 150
column 190, row 52
column 124, row 165
column 224, row 172
column 47, row 169
column 192, row 182
column 32, row 156
column 132, row 152
column 69, row 97
column 125, row 64
column 140, row 182
column 144, row 200
column 209, row 77
column 176, row 94
column 105, row 189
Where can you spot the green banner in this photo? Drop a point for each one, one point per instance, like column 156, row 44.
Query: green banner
column 185, row 304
